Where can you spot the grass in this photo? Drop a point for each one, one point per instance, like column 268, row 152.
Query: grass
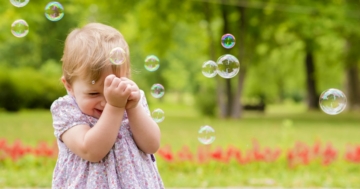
column 281, row 126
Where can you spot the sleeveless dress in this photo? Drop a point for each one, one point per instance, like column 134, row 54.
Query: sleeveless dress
column 125, row 166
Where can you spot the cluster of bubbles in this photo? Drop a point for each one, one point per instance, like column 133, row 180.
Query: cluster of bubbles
column 227, row 66
column 54, row 11
column 332, row 101
column 151, row 64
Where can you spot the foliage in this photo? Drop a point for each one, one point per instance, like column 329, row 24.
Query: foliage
column 27, row 88
column 274, row 42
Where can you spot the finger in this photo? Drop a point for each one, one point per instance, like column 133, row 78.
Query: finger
column 108, row 80
column 125, row 79
column 123, row 86
column 116, row 82
column 128, row 80
column 127, row 91
column 134, row 95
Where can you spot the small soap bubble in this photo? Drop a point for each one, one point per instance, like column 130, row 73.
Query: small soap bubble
column 19, row 3
column 157, row 90
column 206, row 135
column 228, row 41
column 93, row 82
column 152, row 63
column 54, row 11
column 228, row 66
column 209, row 69
column 117, row 56
column 158, row 115
column 332, row 101
column 19, row 28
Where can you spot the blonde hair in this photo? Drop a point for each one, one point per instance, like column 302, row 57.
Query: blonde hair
column 87, row 52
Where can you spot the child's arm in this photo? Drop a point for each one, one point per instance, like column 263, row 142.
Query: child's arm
column 145, row 130
column 94, row 143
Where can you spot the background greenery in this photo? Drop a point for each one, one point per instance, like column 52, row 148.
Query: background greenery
column 274, row 41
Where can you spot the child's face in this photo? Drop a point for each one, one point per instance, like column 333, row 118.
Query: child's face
column 89, row 97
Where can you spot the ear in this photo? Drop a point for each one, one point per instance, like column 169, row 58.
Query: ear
column 67, row 86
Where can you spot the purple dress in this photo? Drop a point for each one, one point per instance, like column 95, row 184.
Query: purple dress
column 125, row 166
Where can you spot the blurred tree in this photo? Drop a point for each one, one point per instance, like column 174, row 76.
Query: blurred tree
column 349, row 17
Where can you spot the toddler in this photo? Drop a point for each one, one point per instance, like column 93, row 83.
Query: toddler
column 105, row 134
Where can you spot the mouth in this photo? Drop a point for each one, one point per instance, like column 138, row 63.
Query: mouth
column 98, row 111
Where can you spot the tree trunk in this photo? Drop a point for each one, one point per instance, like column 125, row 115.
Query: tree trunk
column 219, row 86
column 237, row 106
column 352, row 75
column 228, row 90
column 312, row 97
column 352, row 85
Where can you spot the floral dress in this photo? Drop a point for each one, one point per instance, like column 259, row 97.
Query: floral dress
column 125, row 166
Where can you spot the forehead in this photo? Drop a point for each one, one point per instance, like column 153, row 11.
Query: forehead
column 90, row 83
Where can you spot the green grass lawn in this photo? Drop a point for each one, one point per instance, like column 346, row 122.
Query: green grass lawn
column 281, row 126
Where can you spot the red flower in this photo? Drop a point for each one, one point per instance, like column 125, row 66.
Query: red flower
column 203, row 154
column 217, row 154
column 185, row 154
column 166, row 153
column 329, row 154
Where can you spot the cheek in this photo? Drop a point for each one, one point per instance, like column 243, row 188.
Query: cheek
column 86, row 104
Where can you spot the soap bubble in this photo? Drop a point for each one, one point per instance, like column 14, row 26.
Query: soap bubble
column 228, row 66
column 332, row 101
column 206, row 135
column 152, row 63
column 157, row 90
column 19, row 28
column 117, row 56
column 19, row 3
column 228, row 41
column 54, row 11
column 158, row 115
column 209, row 69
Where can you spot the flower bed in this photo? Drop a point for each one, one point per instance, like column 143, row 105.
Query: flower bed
column 300, row 153
column 302, row 165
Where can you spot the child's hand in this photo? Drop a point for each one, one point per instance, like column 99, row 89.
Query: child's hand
column 116, row 91
column 134, row 97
